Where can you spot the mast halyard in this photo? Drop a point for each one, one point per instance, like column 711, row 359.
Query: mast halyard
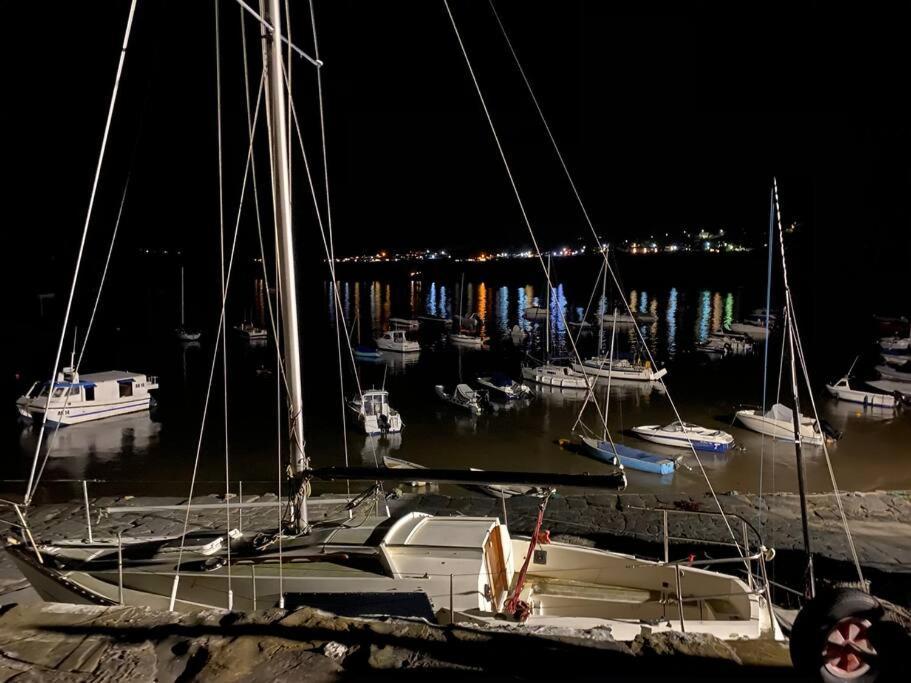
column 810, row 587
column 281, row 193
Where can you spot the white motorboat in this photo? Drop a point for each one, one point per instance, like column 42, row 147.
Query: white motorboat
column 92, row 396
column 778, row 422
column 465, row 397
column 893, row 386
column 557, row 376
column 843, row 391
column 504, row 386
column 374, row 414
column 754, row 327
column 250, row 332
column 404, row 323
column 895, row 344
column 397, row 340
column 536, row 313
column 622, row 368
column 682, row 434
column 725, row 343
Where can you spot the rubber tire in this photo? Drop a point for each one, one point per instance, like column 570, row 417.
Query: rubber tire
column 816, row 619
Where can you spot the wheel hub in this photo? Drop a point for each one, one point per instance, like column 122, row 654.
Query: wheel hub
column 848, row 653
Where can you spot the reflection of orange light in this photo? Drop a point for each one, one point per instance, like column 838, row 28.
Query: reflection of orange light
column 482, row 302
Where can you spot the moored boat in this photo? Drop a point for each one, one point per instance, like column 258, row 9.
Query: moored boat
column 374, row 414
column 470, row 340
column 843, row 391
column 556, row 376
column 685, row 434
column 630, row 458
column 404, row 323
column 93, row 396
column 396, row 340
column 399, row 464
column 504, row 386
column 250, row 332
column 463, row 396
column 778, row 422
column 620, row 368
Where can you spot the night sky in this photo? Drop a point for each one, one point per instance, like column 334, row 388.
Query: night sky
column 670, row 115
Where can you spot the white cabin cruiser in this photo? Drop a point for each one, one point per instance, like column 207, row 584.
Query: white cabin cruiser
column 843, row 391
column 622, row 368
column 778, row 422
column 374, row 414
column 93, row 396
column 557, row 376
column 396, row 340
column 682, row 434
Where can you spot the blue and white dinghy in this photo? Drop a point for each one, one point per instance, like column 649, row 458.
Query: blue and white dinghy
column 630, row 458
column 682, row 434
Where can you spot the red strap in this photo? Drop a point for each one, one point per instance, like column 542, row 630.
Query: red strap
column 514, row 605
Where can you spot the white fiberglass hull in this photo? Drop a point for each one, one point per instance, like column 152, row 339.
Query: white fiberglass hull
column 77, row 414
column 779, row 429
column 701, row 439
column 556, row 376
column 469, row 340
column 632, row 373
column 868, row 398
column 398, row 347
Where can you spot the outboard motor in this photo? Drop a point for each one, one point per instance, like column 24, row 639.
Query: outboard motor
column 830, row 431
column 383, row 421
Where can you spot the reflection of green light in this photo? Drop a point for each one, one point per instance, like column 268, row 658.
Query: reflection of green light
column 728, row 310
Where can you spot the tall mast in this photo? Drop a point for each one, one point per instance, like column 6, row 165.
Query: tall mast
column 181, row 297
column 610, row 372
column 547, row 318
column 281, row 194
column 602, row 311
column 801, row 474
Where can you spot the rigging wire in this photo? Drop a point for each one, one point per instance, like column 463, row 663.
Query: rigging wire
column 29, row 491
column 221, row 261
column 591, row 226
column 765, row 351
column 795, row 335
column 220, row 328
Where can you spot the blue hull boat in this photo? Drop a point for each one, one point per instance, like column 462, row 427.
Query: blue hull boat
column 630, row 458
column 366, row 353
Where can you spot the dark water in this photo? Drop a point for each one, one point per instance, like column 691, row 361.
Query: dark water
column 146, row 454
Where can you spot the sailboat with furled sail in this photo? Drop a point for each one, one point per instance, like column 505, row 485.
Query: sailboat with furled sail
column 444, row 568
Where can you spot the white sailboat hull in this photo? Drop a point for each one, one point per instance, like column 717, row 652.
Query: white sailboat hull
column 556, row 376
column 627, row 371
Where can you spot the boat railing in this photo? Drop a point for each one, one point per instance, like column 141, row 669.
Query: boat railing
column 757, row 583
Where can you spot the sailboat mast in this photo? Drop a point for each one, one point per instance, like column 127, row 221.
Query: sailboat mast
column 602, row 311
column 547, row 317
column 610, row 371
column 181, row 298
column 801, row 474
column 281, row 193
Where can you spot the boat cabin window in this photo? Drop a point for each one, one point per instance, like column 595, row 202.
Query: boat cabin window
column 44, row 390
column 90, row 393
column 59, row 391
column 126, row 389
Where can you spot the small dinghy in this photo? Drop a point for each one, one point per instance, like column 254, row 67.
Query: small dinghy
column 628, row 457
column 395, row 340
column 469, row 340
column 399, row 464
column 778, row 422
column 843, row 391
column 364, row 352
column 374, row 414
column 465, row 397
column 507, row 490
column 536, row 313
column 682, row 434
column 503, row 386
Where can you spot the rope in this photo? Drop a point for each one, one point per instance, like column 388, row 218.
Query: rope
column 765, row 351
column 29, row 491
column 219, row 331
column 514, row 605
column 291, row 46
column 338, row 316
column 591, row 226
column 795, row 335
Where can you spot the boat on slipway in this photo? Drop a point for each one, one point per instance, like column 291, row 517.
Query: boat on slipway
column 628, row 457
column 507, row 490
column 463, row 396
column 685, row 434
column 399, row 464
column 844, row 391
column 93, row 396
column 374, row 414
column 778, row 422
